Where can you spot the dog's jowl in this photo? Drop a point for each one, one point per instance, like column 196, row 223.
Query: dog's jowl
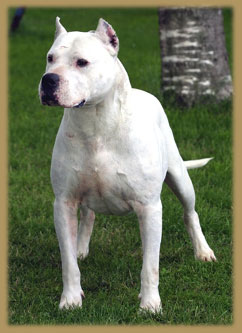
column 113, row 151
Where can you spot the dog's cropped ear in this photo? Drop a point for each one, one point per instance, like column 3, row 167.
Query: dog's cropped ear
column 59, row 28
column 107, row 34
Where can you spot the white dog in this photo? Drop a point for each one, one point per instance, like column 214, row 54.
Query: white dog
column 113, row 151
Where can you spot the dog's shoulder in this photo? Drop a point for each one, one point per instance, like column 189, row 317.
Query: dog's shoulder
column 146, row 106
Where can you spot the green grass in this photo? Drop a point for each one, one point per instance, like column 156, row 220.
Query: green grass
column 192, row 293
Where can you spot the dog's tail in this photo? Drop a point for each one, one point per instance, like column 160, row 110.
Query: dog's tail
column 193, row 164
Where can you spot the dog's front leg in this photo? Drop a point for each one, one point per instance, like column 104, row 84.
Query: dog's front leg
column 65, row 218
column 150, row 221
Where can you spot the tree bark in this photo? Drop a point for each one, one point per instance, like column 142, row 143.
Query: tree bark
column 194, row 58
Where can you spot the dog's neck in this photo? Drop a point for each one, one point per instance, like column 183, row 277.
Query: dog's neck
column 106, row 116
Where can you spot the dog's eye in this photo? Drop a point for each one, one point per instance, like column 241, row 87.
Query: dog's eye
column 82, row 62
column 50, row 58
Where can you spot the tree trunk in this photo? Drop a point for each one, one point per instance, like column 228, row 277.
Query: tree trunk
column 194, row 58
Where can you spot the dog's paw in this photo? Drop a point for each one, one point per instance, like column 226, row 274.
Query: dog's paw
column 71, row 300
column 82, row 253
column 82, row 250
column 150, row 304
column 155, row 308
column 205, row 255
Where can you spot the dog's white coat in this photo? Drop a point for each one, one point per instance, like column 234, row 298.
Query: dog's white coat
column 111, row 156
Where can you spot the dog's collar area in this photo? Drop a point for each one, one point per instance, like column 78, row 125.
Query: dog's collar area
column 80, row 104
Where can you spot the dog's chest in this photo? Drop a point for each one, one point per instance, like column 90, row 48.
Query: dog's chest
column 101, row 179
column 107, row 173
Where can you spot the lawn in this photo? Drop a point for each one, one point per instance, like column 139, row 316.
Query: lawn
column 192, row 292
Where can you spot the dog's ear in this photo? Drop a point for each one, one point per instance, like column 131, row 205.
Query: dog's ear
column 107, row 34
column 59, row 28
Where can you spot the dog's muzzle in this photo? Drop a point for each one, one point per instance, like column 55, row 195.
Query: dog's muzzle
column 49, row 86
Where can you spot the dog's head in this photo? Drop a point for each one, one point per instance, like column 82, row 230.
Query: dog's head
column 80, row 66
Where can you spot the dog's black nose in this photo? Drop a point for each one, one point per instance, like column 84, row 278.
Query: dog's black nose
column 50, row 82
column 49, row 85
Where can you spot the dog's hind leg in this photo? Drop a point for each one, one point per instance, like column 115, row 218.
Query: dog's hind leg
column 87, row 218
column 178, row 180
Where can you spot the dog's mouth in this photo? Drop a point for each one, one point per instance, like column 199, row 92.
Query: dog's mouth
column 76, row 105
column 53, row 101
column 80, row 104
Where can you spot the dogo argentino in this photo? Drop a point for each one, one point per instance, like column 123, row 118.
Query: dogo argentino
column 113, row 151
